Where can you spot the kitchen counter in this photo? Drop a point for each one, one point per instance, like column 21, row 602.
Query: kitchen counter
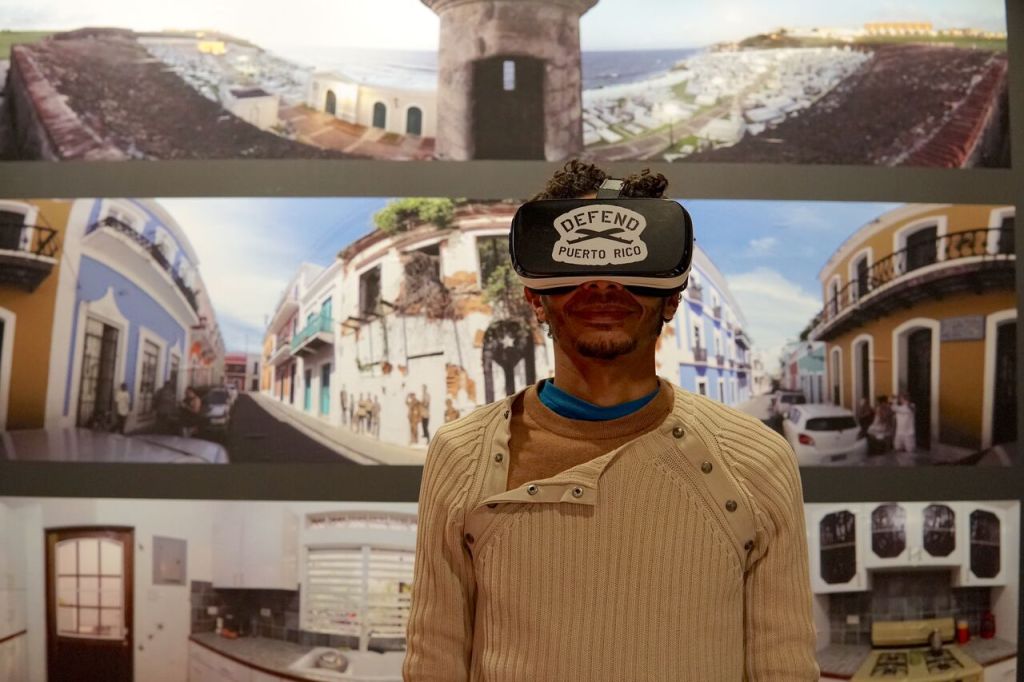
column 989, row 651
column 842, row 660
column 272, row 656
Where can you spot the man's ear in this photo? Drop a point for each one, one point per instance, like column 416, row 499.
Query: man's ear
column 533, row 298
column 668, row 311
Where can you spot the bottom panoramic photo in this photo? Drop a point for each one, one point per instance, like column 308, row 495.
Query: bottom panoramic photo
column 176, row 590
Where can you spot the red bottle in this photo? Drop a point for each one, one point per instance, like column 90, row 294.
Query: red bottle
column 988, row 625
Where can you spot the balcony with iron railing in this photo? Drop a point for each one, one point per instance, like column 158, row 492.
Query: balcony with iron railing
column 318, row 333
column 155, row 252
column 28, row 253
column 959, row 262
column 700, row 354
column 695, row 292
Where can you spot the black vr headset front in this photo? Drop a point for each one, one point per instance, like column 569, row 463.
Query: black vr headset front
column 645, row 245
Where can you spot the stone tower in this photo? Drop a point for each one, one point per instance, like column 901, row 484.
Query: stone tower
column 509, row 83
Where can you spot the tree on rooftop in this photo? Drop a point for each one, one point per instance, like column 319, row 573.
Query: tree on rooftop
column 403, row 214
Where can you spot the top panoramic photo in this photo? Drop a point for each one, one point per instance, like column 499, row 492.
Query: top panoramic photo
column 871, row 83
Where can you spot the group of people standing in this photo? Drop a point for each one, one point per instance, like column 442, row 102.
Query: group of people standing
column 172, row 417
column 362, row 415
column 889, row 425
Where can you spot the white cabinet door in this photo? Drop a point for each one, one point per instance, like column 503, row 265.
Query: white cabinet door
column 888, row 536
column 209, row 666
column 270, row 556
column 227, row 549
column 935, row 536
column 986, row 536
column 1001, row 672
column 836, row 536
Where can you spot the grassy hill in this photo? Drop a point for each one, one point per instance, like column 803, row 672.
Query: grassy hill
column 8, row 38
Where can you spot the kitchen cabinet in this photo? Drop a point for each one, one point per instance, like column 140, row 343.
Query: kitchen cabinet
column 985, row 529
column 208, row 666
column 255, row 550
column 906, row 534
column 835, row 536
column 1005, row 671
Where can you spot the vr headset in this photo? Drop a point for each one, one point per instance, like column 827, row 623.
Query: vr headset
column 646, row 245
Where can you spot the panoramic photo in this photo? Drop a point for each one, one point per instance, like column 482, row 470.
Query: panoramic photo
column 200, row 331
column 853, row 83
column 321, row 591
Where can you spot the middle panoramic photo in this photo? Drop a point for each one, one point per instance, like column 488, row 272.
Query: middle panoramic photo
column 349, row 330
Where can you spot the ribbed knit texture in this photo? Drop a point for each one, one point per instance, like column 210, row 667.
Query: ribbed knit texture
column 645, row 584
column 544, row 443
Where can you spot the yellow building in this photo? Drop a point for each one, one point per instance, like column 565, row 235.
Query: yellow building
column 31, row 237
column 922, row 301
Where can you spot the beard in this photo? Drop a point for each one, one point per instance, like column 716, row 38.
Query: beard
column 608, row 345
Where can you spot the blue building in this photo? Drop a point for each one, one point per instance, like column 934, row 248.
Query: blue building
column 712, row 348
column 131, row 309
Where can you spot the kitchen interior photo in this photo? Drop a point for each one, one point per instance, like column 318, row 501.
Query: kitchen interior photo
column 916, row 591
column 204, row 591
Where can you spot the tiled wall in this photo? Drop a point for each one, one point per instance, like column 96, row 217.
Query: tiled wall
column 283, row 622
column 905, row 595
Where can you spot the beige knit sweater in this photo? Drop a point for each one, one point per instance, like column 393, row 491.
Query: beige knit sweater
column 678, row 556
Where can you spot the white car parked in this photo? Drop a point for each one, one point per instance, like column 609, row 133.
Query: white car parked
column 824, row 434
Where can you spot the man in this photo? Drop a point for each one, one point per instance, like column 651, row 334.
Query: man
column 123, row 405
column 905, row 437
column 425, row 414
column 415, row 415
column 608, row 525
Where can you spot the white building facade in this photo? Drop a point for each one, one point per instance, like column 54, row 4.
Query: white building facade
column 403, row 110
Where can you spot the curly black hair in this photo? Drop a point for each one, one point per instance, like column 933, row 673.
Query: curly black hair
column 577, row 178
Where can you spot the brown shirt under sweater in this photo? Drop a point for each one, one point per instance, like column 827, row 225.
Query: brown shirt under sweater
column 545, row 443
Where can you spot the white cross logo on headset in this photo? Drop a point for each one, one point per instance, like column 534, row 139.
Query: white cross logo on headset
column 599, row 234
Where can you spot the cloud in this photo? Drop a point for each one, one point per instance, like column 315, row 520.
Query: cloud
column 776, row 309
column 763, row 246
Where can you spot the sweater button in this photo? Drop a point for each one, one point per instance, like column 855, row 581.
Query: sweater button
column 749, row 545
column 679, row 432
column 498, row 457
column 577, row 491
column 532, row 489
column 730, row 505
column 470, row 539
column 706, row 467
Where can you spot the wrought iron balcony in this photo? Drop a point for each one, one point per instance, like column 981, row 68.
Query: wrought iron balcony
column 317, row 333
column 28, row 254
column 695, row 292
column 717, row 312
column 155, row 252
column 700, row 354
column 968, row 261
column 720, row 359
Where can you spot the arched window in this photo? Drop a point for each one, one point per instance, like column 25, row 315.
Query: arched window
column 414, row 121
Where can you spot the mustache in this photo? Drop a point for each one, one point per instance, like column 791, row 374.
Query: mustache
column 609, row 297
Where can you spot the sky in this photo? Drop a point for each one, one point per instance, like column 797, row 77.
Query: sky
column 769, row 251
column 410, row 25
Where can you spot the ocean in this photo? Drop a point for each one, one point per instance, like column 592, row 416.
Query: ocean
column 417, row 69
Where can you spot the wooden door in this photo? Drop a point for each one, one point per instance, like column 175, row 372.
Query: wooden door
column 508, row 108
column 919, row 383
column 1004, row 416
column 89, row 604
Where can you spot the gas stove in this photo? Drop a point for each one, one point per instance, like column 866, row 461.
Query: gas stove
column 947, row 663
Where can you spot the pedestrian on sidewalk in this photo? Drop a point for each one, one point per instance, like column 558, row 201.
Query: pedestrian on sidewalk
column 865, row 415
column 166, row 408
column 375, row 416
column 450, row 412
column 123, row 404
column 905, row 438
column 360, row 420
column 191, row 412
column 425, row 414
column 415, row 417
column 344, row 407
column 880, row 431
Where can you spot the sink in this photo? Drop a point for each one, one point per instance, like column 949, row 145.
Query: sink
column 363, row 666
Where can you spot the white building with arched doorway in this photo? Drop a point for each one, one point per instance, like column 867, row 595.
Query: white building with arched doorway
column 408, row 107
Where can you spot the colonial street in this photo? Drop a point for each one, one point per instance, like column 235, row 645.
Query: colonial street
column 261, row 430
